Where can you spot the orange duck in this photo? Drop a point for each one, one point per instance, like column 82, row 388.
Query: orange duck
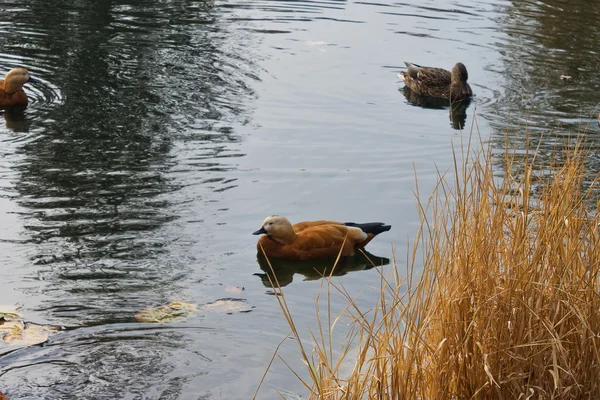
column 315, row 239
column 11, row 88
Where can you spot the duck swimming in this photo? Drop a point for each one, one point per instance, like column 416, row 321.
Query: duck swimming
column 438, row 82
column 314, row 240
column 11, row 88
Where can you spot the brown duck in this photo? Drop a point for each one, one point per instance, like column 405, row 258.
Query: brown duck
column 314, row 240
column 11, row 88
column 438, row 82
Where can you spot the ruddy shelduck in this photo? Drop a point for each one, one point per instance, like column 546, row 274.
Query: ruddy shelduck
column 314, row 239
column 11, row 88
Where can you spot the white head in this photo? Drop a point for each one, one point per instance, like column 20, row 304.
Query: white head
column 277, row 228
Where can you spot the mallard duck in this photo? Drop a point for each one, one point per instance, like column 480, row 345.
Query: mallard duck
column 11, row 88
column 438, row 82
column 314, row 240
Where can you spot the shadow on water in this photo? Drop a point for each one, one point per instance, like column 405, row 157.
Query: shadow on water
column 16, row 119
column 457, row 110
column 312, row 270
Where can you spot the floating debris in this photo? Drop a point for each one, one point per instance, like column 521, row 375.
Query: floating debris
column 317, row 43
column 8, row 313
column 22, row 333
column 14, row 331
column 174, row 311
column 236, row 290
column 565, row 77
column 228, row 306
column 177, row 311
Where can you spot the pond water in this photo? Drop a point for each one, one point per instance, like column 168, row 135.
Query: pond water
column 164, row 132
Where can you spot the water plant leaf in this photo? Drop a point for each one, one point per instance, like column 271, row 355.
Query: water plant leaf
column 235, row 290
column 9, row 313
column 174, row 311
column 21, row 333
column 228, row 305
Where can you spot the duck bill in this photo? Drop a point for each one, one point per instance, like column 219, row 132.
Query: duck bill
column 32, row 80
column 260, row 231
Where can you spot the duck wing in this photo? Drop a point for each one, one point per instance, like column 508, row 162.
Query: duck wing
column 328, row 236
column 428, row 76
column 300, row 226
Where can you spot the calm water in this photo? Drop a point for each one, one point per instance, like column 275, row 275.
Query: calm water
column 164, row 132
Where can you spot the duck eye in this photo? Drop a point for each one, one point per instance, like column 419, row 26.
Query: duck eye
column 270, row 223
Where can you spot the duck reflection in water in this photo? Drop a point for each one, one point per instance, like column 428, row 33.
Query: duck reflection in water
column 15, row 119
column 458, row 109
column 315, row 269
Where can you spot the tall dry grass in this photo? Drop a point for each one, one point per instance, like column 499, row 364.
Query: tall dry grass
column 500, row 297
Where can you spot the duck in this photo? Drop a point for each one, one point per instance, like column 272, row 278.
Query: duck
column 438, row 82
column 11, row 88
column 314, row 240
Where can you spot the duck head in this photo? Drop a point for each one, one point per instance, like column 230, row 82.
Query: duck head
column 277, row 228
column 16, row 78
column 459, row 77
column 459, row 73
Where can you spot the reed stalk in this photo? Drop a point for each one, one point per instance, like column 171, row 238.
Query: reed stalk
column 499, row 297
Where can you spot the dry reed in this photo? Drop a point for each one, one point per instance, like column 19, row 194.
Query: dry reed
column 500, row 298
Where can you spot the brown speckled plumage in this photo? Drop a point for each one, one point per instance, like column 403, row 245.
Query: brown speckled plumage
column 438, row 82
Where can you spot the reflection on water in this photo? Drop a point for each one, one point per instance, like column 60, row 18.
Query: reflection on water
column 284, row 270
column 457, row 109
column 16, row 119
column 96, row 181
column 134, row 117
column 544, row 41
column 146, row 154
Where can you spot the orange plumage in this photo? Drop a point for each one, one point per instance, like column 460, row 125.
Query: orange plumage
column 11, row 88
column 315, row 239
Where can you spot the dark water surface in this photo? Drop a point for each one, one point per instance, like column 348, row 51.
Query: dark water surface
column 164, row 132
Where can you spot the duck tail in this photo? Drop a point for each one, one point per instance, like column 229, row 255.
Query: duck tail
column 412, row 70
column 373, row 228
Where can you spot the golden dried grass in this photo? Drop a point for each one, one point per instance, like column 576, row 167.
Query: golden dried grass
column 500, row 298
